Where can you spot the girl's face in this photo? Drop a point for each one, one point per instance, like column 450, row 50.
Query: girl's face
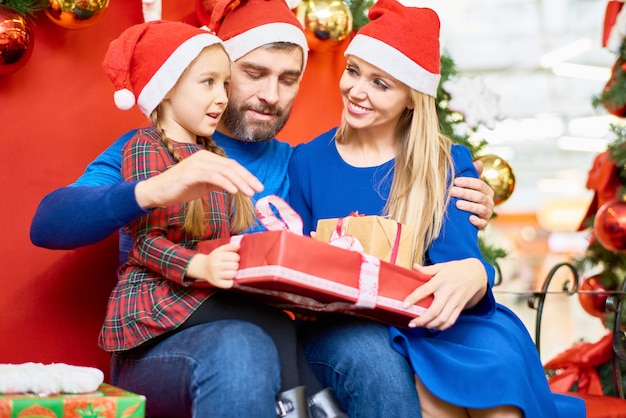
column 371, row 97
column 195, row 104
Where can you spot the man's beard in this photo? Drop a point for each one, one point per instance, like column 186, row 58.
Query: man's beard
column 254, row 130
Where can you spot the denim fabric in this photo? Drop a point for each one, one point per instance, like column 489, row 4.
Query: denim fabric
column 355, row 358
column 223, row 369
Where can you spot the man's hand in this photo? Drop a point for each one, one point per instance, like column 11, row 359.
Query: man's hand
column 475, row 196
column 193, row 177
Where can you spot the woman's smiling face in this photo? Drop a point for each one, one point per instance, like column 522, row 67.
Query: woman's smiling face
column 371, row 97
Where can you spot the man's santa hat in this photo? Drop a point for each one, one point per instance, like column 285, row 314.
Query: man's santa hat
column 245, row 25
column 149, row 58
column 403, row 41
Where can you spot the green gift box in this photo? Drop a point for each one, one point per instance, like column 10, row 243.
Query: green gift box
column 106, row 402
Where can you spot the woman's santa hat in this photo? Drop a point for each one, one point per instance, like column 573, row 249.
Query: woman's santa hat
column 149, row 58
column 403, row 41
column 245, row 25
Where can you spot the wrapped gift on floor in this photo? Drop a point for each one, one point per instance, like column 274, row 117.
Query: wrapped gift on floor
column 302, row 274
column 577, row 367
column 384, row 238
column 106, row 402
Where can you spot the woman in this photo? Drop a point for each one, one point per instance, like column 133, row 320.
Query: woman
column 471, row 357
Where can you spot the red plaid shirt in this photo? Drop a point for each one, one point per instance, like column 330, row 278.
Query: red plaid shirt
column 152, row 295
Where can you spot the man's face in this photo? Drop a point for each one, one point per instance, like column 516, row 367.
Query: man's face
column 264, row 85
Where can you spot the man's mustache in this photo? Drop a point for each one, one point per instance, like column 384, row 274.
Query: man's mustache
column 265, row 109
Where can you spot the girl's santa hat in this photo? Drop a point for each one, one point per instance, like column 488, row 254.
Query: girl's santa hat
column 149, row 58
column 403, row 41
column 245, row 25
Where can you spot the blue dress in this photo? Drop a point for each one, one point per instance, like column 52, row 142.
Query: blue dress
column 487, row 358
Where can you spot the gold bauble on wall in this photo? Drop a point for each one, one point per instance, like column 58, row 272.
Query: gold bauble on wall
column 326, row 23
column 76, row 14
column 498, row 174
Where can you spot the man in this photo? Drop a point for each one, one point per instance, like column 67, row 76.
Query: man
column 230, row 368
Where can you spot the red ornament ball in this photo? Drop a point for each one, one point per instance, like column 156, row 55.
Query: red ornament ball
column 16, row 40
column 592, row 296
column 609, row 226
column 616, row 109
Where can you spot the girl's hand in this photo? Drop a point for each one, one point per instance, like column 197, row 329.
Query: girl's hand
column 455, row 285
column 218, row 267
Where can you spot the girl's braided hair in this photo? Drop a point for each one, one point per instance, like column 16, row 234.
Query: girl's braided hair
column 242, row 214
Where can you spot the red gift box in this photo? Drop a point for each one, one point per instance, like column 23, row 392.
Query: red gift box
column 302, row 274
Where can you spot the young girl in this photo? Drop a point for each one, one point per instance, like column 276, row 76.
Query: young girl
column 471, row 357
column 181, row 74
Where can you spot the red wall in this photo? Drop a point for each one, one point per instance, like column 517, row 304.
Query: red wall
column 56, row 115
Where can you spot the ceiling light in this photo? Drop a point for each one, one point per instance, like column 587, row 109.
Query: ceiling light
column 565, row 53
column 579, row 143
column 587, row 72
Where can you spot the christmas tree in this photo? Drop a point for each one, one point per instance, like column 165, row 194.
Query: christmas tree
column 602, row 266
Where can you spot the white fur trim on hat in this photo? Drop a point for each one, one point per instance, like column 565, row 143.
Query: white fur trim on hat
column 395, row 63
column 240, row 45
column 170, row 71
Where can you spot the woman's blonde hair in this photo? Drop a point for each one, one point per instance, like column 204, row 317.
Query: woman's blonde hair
column 423, row 171
column 241, row 215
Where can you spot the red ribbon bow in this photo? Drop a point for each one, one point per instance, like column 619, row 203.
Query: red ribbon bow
column 578, row 364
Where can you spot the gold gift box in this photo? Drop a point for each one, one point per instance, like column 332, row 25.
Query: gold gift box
column 376, row 234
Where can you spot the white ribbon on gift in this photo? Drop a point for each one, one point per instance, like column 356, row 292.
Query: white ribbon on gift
column 289, row 220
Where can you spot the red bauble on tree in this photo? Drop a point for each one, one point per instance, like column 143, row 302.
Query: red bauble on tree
column 609, row 225
column 612, row 105
column 593, row 295
column 16, row 40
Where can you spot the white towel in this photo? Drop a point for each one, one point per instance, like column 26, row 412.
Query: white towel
column 48, row 379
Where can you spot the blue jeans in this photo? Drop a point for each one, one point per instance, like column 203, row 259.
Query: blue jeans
column 355, row 358
column 226, row 368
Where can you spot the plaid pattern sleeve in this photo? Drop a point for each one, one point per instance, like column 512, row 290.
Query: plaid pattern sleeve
column 152, row 295
column 145, row 157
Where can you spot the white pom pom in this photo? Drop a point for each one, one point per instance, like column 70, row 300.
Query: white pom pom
column 124, row 99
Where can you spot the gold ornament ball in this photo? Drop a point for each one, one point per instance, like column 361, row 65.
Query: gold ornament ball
column 326, row 22
column 76, row 14
column 498, row 174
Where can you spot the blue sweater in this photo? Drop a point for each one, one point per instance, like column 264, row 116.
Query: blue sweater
column 99, row 202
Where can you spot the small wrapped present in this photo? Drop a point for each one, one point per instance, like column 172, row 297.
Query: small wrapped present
column 107, row 401
column 301, row 274
column 577, row 366
column 384, row 238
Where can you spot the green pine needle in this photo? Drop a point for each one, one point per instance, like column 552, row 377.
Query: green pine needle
column 25, row 7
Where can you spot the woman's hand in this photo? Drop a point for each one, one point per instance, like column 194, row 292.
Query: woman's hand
column 218, row 268
column 455, row 285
